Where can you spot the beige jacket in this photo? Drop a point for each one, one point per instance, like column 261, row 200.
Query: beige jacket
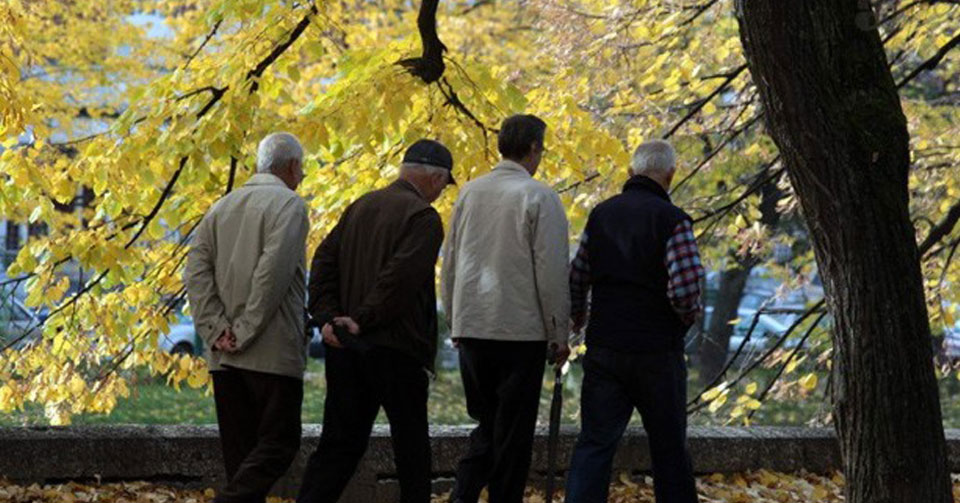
column 246, row 270
column 505, row 261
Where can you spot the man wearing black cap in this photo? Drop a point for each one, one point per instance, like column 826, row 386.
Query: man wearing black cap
column 374, row 276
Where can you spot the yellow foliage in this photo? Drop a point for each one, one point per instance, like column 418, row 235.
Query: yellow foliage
column 152, row 123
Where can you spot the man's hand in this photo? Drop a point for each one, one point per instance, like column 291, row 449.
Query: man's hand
column 559, row 354
column 346, row 321
column 330, row 338
column 227, row 342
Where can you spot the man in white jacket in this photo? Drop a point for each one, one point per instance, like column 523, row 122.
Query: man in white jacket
column 245, row 278
column 504, row 286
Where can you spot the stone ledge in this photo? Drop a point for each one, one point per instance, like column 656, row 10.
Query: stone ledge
column 190, row 455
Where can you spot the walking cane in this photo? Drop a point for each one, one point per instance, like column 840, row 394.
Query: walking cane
column 554, row 437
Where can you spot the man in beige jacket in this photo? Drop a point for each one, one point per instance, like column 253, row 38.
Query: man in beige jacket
column 505, row 288
column 245, row 280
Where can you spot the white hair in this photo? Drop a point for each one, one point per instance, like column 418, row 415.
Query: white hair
column 276, row 151
column 654, row 157
column 425, row 168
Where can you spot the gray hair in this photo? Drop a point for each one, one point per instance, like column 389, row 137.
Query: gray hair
column 425, row 168
column 276, row 150
column 654, row 157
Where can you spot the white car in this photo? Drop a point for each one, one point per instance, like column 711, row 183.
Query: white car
column 182, row 338
column 770, row 326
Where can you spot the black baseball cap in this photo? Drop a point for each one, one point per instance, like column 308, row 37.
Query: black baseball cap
column 432, row 153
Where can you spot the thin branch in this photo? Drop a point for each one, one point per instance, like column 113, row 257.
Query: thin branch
column 700, row 10
column 786, row 362
column 941, row 230
column 454, row 101
column 475, row 6
column 752, row 189
column 204, row 89
column 213, row 31
column 717, row 150
column 277, row 51
column 577, row 184
column 932, row 62
column 814, row 309
column 696, row 109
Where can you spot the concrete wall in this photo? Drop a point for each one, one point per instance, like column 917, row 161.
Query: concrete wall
column 190, row 455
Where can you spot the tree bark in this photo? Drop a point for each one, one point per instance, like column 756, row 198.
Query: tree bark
column 832, row 107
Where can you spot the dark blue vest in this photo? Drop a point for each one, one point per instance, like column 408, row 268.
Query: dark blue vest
column 626, row 242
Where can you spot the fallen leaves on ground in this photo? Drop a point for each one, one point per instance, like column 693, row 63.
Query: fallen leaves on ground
column 760, row 486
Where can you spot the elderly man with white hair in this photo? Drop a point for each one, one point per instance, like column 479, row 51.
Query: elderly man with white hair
column 639, row 261
column 245, row 280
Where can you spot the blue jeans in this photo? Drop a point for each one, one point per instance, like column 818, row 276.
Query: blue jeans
column 614, row 383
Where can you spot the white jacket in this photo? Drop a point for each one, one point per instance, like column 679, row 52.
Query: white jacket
column 246, row 271
column 506, row 260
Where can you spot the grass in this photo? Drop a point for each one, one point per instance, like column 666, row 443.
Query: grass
column 152, row 402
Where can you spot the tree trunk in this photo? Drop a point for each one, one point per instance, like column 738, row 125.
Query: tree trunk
column 833, row 110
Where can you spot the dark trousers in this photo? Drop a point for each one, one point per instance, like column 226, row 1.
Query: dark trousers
column 614, row 383
column 259, row 419
column 358, row 384
column 502, row 382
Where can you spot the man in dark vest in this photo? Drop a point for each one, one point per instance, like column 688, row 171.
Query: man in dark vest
column 374, row 276
column 639, row 258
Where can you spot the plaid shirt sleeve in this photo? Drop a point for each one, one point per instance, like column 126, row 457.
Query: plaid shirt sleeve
column 580, row 282
column 685, row 271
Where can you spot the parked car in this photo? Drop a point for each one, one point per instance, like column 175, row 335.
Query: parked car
column 182, row 338
column 762, row 291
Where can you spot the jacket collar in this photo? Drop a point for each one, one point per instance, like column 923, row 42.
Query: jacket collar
column 512, row 167
column 405, row 185
column 265, row 179
column 640, row 182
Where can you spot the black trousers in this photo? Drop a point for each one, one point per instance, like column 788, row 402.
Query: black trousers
column 502, row 382
column 259, row 419
column 358, row 384
column 614, row 383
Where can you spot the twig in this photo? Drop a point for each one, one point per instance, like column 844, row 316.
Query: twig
column 213, row 31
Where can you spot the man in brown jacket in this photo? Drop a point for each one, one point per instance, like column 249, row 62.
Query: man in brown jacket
column 245, row 279
column 374, row 276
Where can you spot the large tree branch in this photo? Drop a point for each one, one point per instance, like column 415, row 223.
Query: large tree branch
column 429, row 67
